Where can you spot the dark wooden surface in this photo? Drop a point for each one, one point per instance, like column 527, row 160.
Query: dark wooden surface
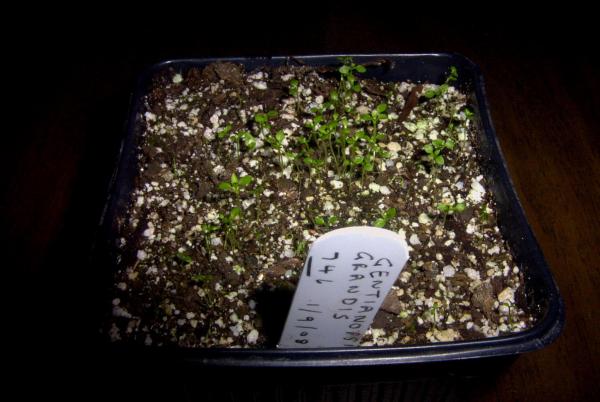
column 543, row 87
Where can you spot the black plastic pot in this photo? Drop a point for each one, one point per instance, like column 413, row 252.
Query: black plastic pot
column 543, row 295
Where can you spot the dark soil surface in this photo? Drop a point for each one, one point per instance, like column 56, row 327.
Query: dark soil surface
column 239, row 172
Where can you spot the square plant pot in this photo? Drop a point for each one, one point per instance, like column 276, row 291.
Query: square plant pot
column 542, row 296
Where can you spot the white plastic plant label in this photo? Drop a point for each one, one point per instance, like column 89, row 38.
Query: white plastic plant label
column 346, row 276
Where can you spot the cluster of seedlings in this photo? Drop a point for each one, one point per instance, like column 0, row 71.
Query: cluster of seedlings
column 240, row 172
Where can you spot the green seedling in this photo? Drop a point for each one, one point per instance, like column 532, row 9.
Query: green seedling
column 207, row 230
column 292, row 156
column 452, row 125
column 322, row 133
column 411, row 327
column 451, row 209
column 350, row 146
column 245, row 137
column 231, row 218
column 276, row 142
column 300, row 247
column 510, row 307
column 239, row 137
column 294, row 159
column 435, row 148
column 376, row 115
column 334, row 97
column 303, row 141
column 434, row 311
column 186, row 259
column 325, row 221
column 348, row 80
column 294, row 87
column 469, row 114
column 249, row 140
column 263, row 119
column 235, row 185
column 364, row 162
column 201, row 278
column 314, row 163
column 365, row 157
column 317, row 129
column 294, row 92
column 385, row 217
column 484, row 213
column 325, row 133
column 229, row 224
column 177, row 172
column 442, row 89
column 314, row 123
column 224, row 132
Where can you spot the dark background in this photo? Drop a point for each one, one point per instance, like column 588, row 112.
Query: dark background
column 68, row 86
